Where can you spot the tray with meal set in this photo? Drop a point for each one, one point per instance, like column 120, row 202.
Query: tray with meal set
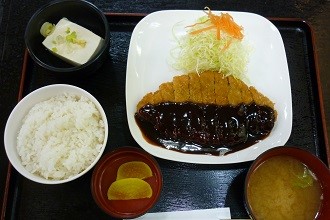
column 142, row 87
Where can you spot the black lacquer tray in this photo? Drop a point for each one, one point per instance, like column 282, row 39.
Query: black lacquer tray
column 186, row 186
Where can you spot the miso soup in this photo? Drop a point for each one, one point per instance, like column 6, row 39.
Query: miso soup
column 284, row 188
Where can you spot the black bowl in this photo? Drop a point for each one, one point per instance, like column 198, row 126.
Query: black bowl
column 80, row 12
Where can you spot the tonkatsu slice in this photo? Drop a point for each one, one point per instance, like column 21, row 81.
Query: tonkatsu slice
column 205, row 113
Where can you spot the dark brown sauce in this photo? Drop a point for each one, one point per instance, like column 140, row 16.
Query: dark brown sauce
column 205, row 128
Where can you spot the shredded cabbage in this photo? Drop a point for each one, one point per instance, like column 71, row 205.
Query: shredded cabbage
column 203, row 51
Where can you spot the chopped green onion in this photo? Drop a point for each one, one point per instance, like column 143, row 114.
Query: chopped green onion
column 305, row 179
column 72, row 38
column 46, row 29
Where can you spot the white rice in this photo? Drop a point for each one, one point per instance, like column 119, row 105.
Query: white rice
column 60, row 137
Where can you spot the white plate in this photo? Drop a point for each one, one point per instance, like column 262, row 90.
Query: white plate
column 148, row 67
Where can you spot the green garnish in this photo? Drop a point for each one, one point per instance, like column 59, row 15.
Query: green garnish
column 46, row 29
column 67, row 30
column 72, row 38
column 54, row 49
column 304, row 180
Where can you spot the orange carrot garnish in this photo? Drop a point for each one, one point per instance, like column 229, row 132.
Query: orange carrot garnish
column 203, row 29
column 197, row 23
column 223, row 22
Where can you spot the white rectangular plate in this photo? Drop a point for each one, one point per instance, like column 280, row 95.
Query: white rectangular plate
column 147, row 67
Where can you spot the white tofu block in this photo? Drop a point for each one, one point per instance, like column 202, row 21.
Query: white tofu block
column 73, row 52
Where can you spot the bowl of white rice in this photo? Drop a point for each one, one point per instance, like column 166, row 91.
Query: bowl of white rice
column 56, row 134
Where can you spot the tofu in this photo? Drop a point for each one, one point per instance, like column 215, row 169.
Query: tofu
column 72, row 42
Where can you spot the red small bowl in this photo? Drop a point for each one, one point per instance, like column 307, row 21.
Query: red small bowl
column 320, row 170
column 105, row 173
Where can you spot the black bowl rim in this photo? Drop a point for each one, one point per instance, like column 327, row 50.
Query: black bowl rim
column 74, row 68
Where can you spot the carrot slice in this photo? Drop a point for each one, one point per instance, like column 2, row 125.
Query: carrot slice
column 203, row 29
column 223, row 22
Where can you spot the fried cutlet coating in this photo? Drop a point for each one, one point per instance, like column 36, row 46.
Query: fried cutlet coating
column 259, row 98
column 195, row 90
column 221, row 89
column 181, row 88
column 234, row 93
column 167, row 91
column 207, row 88
column 245, row 92
column 158, row 97
column 147, row 99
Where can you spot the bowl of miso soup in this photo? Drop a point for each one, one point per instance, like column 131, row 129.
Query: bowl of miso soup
column 287, row 183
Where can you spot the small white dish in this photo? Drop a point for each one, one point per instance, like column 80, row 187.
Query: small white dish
column 14, row 124
column 147, row 67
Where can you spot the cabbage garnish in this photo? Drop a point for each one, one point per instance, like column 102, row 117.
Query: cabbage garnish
column 211, row 45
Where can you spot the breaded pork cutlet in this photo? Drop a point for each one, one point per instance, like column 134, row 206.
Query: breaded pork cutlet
column 234, row 92
column 206, row 88
column 221, row 89
column 205, row 113
column 167, row 91
column 195, row 90
column 147, row 99
column 181, row 88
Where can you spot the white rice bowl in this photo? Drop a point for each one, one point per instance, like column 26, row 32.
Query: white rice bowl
column 56, row 134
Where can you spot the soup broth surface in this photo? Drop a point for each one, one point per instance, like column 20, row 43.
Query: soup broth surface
column 284, row 188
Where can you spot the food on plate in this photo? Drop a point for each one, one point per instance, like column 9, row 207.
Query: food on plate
column 214, row 42
column 208, row 87
column 129, row 188
column 71, row 42
column 293, row 190
column 205, row 113
column 134, row 169
column 60, row 137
